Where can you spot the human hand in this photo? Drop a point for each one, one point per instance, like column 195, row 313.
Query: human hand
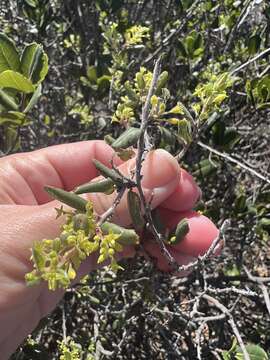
column 27, row 214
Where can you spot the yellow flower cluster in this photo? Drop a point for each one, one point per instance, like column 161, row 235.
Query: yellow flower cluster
column 56, row 261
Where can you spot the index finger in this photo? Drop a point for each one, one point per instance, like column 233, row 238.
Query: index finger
column 23, row 176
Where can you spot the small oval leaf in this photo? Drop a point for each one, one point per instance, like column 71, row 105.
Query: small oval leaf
column 134, row 207
column 127, row 138
column 67, row 198
column 104, row 186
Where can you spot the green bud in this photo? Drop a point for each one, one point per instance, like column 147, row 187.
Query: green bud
column 80, row 222
column 64, row 236
column 127, row 138
column 140, row 81
column 67, row 198
column 104, row 186
column 127, row 237
column 181, row 231
column 130, row 92
column 32, row 279
column 109, row 139
column 184, row 130
column 134, row 207
column 108, row 173
column 162, row 81
column 38, row 258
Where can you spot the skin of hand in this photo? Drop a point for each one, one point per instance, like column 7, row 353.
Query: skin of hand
column 27, row 214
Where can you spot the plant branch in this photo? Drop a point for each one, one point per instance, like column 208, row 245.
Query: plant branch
column 266, row 51
column 233, row 160
column 231, row 321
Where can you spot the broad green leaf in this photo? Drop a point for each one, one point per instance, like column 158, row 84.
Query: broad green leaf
column 9, row 57
column 34, row 99
column 14, row 80
column 255, row 352
column 34, row 63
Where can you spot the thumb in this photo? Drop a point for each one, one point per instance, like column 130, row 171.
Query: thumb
column 160, row 177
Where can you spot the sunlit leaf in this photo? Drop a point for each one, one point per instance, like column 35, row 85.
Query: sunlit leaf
column 14, row 80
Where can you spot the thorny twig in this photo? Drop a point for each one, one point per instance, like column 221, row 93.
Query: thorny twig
column 143, row 147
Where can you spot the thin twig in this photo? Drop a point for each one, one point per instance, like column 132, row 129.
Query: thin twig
column 143, row 147
column 210, row 250
column 108, row 213
column 231, row 321
column 174, row 32
column 261, row 285
column 266, row 51
column 64, row 328
column 233, row 160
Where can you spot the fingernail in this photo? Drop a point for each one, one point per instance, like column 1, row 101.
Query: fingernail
column 159, row 170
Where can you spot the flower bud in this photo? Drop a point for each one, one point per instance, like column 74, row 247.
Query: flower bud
column 127, row 236
column 80, row 222
column 181, row 231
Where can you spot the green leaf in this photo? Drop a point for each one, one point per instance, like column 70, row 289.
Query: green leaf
column 127, row 138
column 104, row 186
column 205, row 168
column 92, row 74
column 34, row 63
column 31, row 3
column 11, row 139
column 135, row 211
column 103, row 83
column 181, row 231
column 182, row 49
column 108, row 173
column 8, row 101
column 12, row 118
column 255, row 352
column 67, row 198
column 9, row 57
column 127, row 236
column 264, row 222
column 254, row 43
column 15, row 80
column 34, row 99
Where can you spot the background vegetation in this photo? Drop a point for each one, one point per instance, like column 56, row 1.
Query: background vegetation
column 94, row 48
